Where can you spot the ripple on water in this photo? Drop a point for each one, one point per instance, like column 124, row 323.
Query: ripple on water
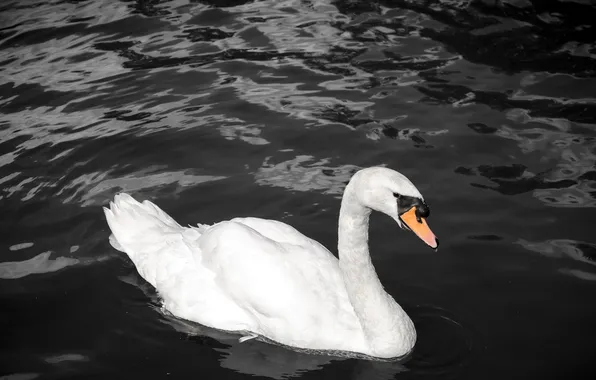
column 567, row 159
column 21, row 376
column 580, row 251
column 444, row 345
column 18, row 247
column 302, row 173
column 41, row 263
column 62, row 358
column 560, row 248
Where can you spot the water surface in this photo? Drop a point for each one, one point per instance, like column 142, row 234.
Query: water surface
column 215, row 109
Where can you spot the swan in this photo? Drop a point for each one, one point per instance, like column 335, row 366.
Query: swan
column 263, row 279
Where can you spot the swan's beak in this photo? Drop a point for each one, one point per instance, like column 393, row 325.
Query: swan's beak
column 419, row 227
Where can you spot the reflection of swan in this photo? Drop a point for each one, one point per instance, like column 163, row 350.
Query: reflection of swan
column 252, row 357
column 263, row 279
column 261, row 359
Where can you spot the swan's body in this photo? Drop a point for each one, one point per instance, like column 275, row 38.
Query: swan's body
column 266, row 279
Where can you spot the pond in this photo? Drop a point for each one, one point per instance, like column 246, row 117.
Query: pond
column 218, row 109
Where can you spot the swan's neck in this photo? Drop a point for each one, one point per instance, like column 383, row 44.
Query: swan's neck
column 386, row 326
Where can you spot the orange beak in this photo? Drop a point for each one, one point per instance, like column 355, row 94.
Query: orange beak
column 419, row 227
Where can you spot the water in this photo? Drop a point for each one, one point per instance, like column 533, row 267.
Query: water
column 215, row 109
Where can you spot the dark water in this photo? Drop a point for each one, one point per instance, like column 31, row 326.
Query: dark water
column 215, row 109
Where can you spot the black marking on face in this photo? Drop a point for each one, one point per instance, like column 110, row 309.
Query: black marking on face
column 405, row 203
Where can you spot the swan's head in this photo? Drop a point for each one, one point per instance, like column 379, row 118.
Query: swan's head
column 392, row 193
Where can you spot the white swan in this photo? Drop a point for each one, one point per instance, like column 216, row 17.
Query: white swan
column 264, row 279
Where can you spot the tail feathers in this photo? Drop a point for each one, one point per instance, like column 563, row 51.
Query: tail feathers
column 202, row 227
column 136, row 226
column 114, row 242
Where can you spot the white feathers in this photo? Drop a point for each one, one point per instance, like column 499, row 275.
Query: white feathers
column 247, row 337
column 264, row 277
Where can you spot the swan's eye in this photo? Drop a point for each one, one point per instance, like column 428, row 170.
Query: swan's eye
column 423, row 210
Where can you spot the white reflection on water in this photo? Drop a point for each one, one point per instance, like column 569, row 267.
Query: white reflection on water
column 47, row 262
column 70, row 357
column 287, row 98
column 582, row 275
column 247, row 133
column 565, row 248
column 18, row 247
column 39, row 264
column 567, row 153
column 20, row 376
column 559, row 248
column 55, row 65
column 313, row 19
column 304, row 173
column 98, row 187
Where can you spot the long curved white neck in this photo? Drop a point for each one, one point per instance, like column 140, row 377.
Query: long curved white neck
column 387, row 328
